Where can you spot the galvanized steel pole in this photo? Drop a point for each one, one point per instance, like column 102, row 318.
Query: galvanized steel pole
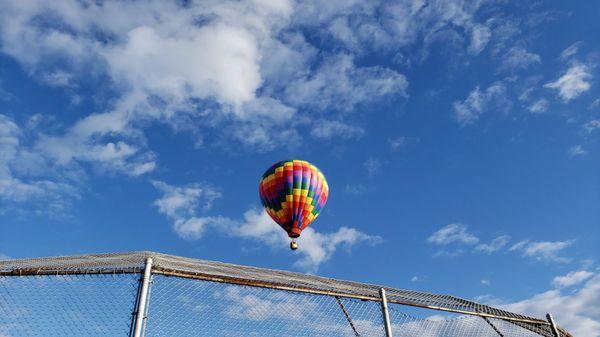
column 140, row 315
column 386, row 315
column 553, row 325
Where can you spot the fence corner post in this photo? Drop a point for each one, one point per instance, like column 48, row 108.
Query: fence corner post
column 386, row 315
column 553, row 325
column 140, row 314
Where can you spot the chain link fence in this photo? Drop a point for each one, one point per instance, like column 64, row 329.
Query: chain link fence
column 110, row 295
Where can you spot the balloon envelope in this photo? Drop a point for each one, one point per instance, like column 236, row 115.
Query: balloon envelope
column 293, row 192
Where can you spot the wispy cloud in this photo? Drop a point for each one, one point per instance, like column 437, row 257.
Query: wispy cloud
column 576, row 151
column 397, row 143
column 244, row 303
column 592, row 126
column 168, row 67
column 494, row 246
column 28, row 178
column 519, row 58
column 547, row 251
column 327, row 129
column 572, row 278
column 539, row 106
column 355, row 189
column 479, row 101
column 574, row 310
column 452, row 233
column 570, row 51
column 339, row 84
column 480, row 36
column 574, row 82
column 182, row 206
column 372, row 165
column 455, row 239
column 401, row 142
column 183, row 201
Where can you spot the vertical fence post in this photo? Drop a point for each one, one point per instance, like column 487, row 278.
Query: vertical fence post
column 140, row 314
column 553, row 325
column 386, row 315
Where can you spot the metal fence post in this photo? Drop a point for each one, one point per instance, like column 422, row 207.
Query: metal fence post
column 386, row 315
column 140, row 314
column 553, row 325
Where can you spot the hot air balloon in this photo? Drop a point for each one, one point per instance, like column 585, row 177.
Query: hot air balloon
column 293, row 192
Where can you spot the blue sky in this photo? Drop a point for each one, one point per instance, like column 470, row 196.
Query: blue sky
column 459, row 139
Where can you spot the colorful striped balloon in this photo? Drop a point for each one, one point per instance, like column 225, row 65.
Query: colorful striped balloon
column 293, row 193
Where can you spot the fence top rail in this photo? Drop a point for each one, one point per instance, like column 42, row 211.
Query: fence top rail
column 260, row 277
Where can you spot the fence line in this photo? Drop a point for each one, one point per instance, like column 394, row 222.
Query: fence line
column 232, row 300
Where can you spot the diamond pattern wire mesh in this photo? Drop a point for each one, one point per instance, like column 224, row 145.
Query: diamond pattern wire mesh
column 95, row 295
column 529, row 330
column 67, row 305
column 404, row 325
column 129, row 262
column 184, row 307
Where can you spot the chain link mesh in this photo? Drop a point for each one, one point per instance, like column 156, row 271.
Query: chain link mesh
column 131, row 262
column 187, row 307
column 67, row 305
column 95, row 295
column 184, row 307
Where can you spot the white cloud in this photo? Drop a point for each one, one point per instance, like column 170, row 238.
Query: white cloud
column 315, row 248
column 401, row 142
column 577, row 311
column 486, row 282
column 245, row 303
column 372, row 165
column 572, row 278
column 494, row 246
column 478, row 102
column 480, row 36
column 221, row 65
column 338, row 84
column 327, row 129
column 592, row 125
column 219, row 61
column 355, row 189
column 390, row 26
column 184, row 202
column 574, row 82
column 155, row 47
column 397, row 143
column 319, row 247
column 543, row 250
column 539, row 106
column 576, row 151
column 194, row 228
column 414, row 279
column 570, row 51
column 453, row 233
column 181, row 205
column 457, row 237
column 519, row 58
column 57, row 78
column 26, row 176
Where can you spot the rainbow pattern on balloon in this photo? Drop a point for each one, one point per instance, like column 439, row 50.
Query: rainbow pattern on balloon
column 293, row 192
